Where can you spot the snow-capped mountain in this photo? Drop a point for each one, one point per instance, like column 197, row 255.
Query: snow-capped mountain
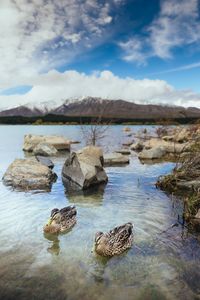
column 93, row 107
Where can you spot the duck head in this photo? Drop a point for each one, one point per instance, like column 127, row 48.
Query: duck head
column 53, row 224
column 100, row 243
column 98, row 236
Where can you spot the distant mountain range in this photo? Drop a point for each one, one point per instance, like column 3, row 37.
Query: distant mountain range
column 112, row 109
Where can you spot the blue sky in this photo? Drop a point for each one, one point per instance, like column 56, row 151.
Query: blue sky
column 150, row 49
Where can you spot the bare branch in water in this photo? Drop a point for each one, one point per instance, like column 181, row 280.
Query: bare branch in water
column 97, row 130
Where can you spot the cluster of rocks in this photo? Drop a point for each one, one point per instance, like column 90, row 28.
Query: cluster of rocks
column 177, row 142
column 85, row 167
column 45, row 145
column 185, row 178
column 35, row 173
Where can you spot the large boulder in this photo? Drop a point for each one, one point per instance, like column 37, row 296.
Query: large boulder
column 45, row 150
column 112, row 159
column 59, row 142
column 154, row 153
column 29, row 174
column 85, row 167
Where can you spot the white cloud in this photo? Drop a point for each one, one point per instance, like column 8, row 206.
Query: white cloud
column 56, row 87
column 176, row 25
column 134, row 50
column 38, row 35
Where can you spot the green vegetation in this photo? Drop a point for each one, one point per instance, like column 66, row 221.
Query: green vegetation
column 185, row 182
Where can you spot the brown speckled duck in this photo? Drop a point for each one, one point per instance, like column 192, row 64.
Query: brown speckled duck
column 115, row 241
column 61, row 220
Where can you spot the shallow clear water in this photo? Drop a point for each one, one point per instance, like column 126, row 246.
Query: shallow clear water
column 160, row 265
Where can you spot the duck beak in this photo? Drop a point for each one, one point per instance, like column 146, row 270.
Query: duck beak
column 49, row 221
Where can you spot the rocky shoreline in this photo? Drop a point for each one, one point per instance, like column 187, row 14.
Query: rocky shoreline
column 180, row 145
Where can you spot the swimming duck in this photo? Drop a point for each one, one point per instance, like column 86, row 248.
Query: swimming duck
column 115, row 241
column 61, row 220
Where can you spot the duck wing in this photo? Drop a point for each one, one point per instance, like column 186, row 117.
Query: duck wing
column 68, row 212
column 120, row 234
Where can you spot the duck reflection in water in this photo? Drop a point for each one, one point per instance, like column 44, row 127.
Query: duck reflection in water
column 60, row 221
column 54, row 249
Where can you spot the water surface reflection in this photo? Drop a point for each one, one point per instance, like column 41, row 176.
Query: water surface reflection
column 162, row 264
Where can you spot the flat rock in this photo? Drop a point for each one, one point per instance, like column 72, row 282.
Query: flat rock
column 44, row 149
column 59, row 142
column 85, row 168
column 112, row 159
column 123, row 151
column 45, row 161
column 29, row 174
column 154, row 153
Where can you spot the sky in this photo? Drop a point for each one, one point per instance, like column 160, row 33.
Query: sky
column 137, row 50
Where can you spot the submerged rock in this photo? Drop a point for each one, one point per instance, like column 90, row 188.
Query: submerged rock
column 59, row 142
column 45, row 150
column 112, row 159
column 29, row 174
column 154, row 153
column 85, row 167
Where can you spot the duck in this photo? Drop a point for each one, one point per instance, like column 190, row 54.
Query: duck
column 114, row 242
column 61, row 220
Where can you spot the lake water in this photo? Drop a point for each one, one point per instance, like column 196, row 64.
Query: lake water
column 164, row 262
